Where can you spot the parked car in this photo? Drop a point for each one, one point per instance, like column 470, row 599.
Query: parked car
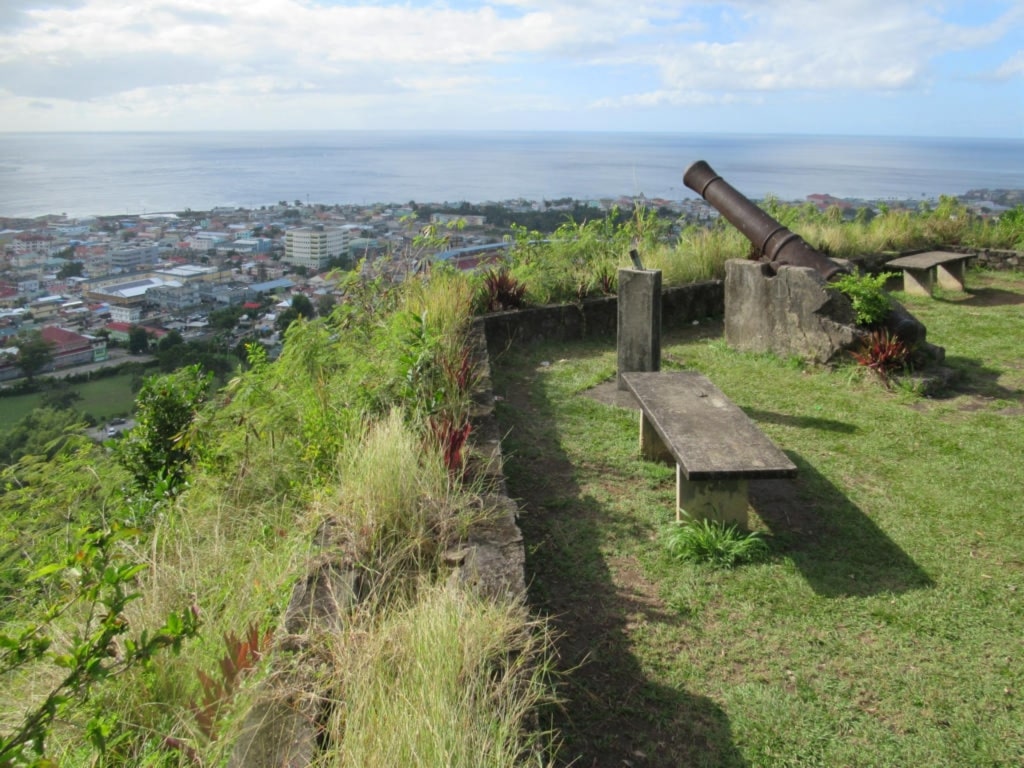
column 111, row 432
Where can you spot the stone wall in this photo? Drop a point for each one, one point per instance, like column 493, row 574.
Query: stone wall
column 990, row 258
column 598, row 318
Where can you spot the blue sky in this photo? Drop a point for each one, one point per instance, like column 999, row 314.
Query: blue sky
column 860, row 67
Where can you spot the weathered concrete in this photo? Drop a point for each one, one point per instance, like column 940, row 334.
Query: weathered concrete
column 685, row 418
column 792, row 313
column 922, row 270
column 597, row 317
column 639, row 322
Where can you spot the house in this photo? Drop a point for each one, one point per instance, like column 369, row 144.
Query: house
column 69, row 348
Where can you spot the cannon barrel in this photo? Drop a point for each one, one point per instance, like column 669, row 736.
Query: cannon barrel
column 775, row 243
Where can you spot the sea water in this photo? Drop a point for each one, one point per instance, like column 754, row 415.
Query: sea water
column 83, row 174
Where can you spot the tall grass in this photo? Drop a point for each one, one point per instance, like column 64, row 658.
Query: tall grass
column 450, row 680
column 394, row 500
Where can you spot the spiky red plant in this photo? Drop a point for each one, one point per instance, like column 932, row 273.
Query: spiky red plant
column 883, row 352
column 452, row 436
column 502, row 290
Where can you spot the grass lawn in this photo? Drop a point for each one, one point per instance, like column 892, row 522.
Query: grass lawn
column 887, row 626
column 103, row 398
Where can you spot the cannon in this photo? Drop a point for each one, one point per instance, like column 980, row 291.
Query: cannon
column 775, row 244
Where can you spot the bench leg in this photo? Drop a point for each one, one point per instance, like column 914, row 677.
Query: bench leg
column 918, row 282
column 723, row 501
column 652, row 447
column 951, row 276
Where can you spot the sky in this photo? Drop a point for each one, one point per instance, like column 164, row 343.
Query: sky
column 847, row 67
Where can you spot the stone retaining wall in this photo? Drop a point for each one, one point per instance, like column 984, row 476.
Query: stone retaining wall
column 988, row 258
column 991, row 258
column 597, row 318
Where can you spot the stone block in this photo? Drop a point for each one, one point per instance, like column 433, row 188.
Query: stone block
column 639, row 322
column 791, row 313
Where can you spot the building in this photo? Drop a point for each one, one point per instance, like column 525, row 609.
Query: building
column 127, row 315
column 69, row 348
column 314, row 247
column 133, row 258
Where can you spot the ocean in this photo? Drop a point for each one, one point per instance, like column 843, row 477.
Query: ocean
column 82, row 174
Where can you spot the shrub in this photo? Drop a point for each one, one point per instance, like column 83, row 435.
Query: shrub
column 868, row 296
column 714, row 543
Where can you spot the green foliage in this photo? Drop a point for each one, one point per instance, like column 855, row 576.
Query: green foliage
column 301, row 307
column 1009, row 229
column 867, row 295
column 34, row 354
column 71, row 269
column 160, row 445
column 714, row 543
column 95, row 583
column 42, row 432
column 138, row 340
column 580, row 259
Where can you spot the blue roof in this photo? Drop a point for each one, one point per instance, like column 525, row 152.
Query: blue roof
column 272, row 285
column 469, row 250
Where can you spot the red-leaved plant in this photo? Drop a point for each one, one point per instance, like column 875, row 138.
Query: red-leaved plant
column 241, row 658
column 502, row 291
column 452, row 436
column 884, row 353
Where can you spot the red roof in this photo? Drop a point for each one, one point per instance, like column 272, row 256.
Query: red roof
column 62, row 339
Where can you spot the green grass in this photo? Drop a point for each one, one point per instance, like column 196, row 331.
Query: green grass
column 885, row 626
column 102, row 398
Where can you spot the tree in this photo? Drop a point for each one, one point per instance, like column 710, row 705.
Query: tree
column 172, row 339
column 325, row 305
column 138, row 340
column 34, row 354
column 41, row 432
column 158, row 448
column 302, row 305
column 71, row 269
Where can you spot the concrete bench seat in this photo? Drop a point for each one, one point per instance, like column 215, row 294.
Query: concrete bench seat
column 922, row 270
column 717, row 448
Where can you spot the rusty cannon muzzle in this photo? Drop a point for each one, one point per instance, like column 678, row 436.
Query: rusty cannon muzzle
column 775, row 244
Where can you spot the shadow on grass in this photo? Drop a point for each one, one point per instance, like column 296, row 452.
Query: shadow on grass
column 613, row 713
column 836, row 547
column 802, row 422
column 983, row 297
column 976, row 378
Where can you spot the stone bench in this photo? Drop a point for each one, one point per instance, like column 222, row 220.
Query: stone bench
column 922, row 270
column 717, row 448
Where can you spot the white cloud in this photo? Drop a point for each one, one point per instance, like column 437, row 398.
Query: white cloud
column 1013, row 67
column 182, row 60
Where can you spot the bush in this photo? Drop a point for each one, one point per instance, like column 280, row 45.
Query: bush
column 868, row 296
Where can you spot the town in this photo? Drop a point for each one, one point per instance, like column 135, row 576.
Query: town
column 96, row 288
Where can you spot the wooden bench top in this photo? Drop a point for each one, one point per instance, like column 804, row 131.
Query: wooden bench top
column 927, row 260
column 709, row 436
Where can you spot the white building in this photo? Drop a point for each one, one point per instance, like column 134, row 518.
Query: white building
column 129, row 315
column 313, row 247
